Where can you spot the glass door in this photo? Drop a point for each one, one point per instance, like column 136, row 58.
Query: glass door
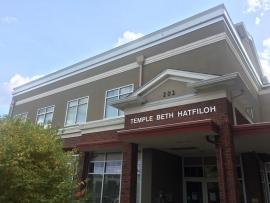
column 194, row 192
column 212, row 192
column 201, row 192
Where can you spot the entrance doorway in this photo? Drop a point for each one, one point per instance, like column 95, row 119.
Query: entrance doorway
column 200, row 180
column 201, row 192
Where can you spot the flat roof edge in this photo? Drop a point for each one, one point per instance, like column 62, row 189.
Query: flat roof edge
column 125, row 49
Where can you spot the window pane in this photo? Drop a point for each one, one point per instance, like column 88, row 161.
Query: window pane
column 83, row 100
column 81, row 117
column 50, row 109
column 111, row 189
column 189, row 161
column 242, row 197
column 193, row 172
column 48, row 118
column 212, row 192
column 123, row 96
column 41, row 111
column 112, row 93
column 210, row 171
column 94, row 186
column 125, row 90
column 40, row 119
column 194, row 192
column 210, row 160
column 121, row 113
column 267, row 166
column 73, row 103
column 113, row 167
column 111, row 111
column 71, row 116
column 111, row 99
column 96, row 167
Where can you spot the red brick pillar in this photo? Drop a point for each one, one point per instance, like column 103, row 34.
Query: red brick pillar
column 227, row 173
column 129, row 173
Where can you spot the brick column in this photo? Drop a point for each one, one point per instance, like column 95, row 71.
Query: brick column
column 227, row 173
column 129, row 173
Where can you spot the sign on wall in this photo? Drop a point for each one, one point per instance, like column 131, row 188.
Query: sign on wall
column 212, row 109
column 173, row 114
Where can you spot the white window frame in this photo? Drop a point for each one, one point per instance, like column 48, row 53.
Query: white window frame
column 45, row 113
column 105, row 100
column 21, row 116
column 103, row 173
column 77, row 99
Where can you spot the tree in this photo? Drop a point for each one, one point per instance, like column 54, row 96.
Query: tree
column 34, row 168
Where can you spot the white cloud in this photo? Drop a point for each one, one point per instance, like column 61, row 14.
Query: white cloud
column 265, row 58
column 127, row 37
column 266, row 43
column 17, row 80
column 258, row 6
column 257, row 20
column 6, row 89
column 8, row 19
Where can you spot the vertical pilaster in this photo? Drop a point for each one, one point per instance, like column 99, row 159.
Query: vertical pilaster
column 129, row 173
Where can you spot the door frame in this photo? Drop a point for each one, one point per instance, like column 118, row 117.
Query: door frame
column 203, row 181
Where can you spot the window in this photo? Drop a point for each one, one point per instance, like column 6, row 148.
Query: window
column 21, row 116
column 113, row 95
column 265, row 174
column 45, row 116
column 104, row 175
column 76, row 111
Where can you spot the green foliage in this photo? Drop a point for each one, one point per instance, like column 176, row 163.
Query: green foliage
column 33, row 166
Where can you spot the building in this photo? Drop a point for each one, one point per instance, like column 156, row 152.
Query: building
column 180, row 115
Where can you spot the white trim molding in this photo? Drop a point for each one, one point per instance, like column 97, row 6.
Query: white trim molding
column 103, row 125
column 156, row 58
column 92, row 127
column 179, row 75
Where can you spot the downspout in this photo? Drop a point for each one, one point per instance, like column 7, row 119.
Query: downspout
column 140, row 61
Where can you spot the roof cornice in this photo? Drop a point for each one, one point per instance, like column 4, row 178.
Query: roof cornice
column 208, row 17
column 178, row 29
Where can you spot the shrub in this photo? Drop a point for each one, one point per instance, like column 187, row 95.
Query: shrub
column 33, row 166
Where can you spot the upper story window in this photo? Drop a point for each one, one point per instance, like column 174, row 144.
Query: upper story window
column 76, row 111
column 21, row 116
column 45, row 116
column 116, row 94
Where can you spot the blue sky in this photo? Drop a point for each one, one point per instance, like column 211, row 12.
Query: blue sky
column 39, row 37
